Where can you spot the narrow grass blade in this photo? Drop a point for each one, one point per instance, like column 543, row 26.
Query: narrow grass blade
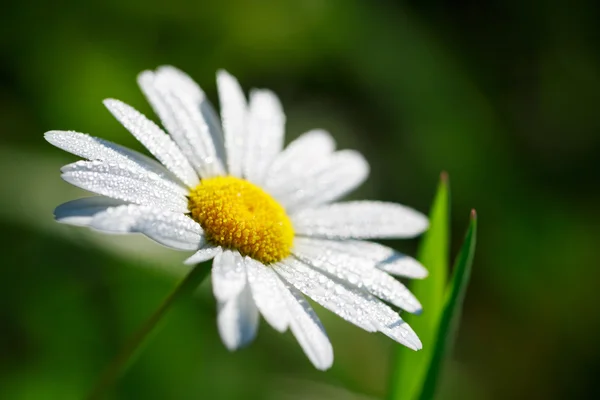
column 452, row 309
column 410, row 368
column 133, row 346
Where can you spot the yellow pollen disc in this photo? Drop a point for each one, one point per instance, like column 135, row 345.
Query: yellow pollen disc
column 238, row 215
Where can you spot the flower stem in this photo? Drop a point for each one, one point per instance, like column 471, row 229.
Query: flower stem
column 125, row 357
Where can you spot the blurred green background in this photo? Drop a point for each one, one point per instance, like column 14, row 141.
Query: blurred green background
column 503, row 95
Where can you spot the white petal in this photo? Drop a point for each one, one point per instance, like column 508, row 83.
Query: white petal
column 81, row 211
column 125, row 183
column 266, row 291
column 324, row 291
column 378, row 255
column 401, row 332
column 325, row 181
column 356, row 272
column 155, row 140
column 302, row 154
column 125, row 170
column 307, row 328
column 171, row 229
column 178, row 107
column 204, row 254
column 234, row 118
column 238, row 320
column 360, row 220
column 266, row 127
column 167, row 228
column 182, row 83
column 399, row 264
column 283, row 306
column 94, row 148
column 228, row 275
column 350, row 303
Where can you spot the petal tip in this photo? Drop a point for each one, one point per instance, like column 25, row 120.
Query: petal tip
column 222, row 72
column 168, row 69
column 424, row 222
column 417, row 311
column 325, row 365
column 418, row 270
column 226, row 79
column 111, row 104
column 414, row 340
column 190, row 260
column 145, row 76
column 323, row 361
column 50, row 136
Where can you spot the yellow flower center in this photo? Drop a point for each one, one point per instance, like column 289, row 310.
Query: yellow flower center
column 236, row 214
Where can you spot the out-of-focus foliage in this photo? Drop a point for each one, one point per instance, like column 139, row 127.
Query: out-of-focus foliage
column 502, row 95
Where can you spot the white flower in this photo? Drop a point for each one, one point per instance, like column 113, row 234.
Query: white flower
column 266, row 215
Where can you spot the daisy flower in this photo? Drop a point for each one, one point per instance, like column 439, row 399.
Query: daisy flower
column 227, row 190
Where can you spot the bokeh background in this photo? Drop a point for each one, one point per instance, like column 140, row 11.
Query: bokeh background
column 503, row 95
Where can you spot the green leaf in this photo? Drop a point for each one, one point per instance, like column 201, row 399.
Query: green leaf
column 452, row 309
column 410, row 368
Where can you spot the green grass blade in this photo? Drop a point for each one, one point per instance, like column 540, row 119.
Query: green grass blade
column 410, row 368
column 140, row 338
column 452, row 309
